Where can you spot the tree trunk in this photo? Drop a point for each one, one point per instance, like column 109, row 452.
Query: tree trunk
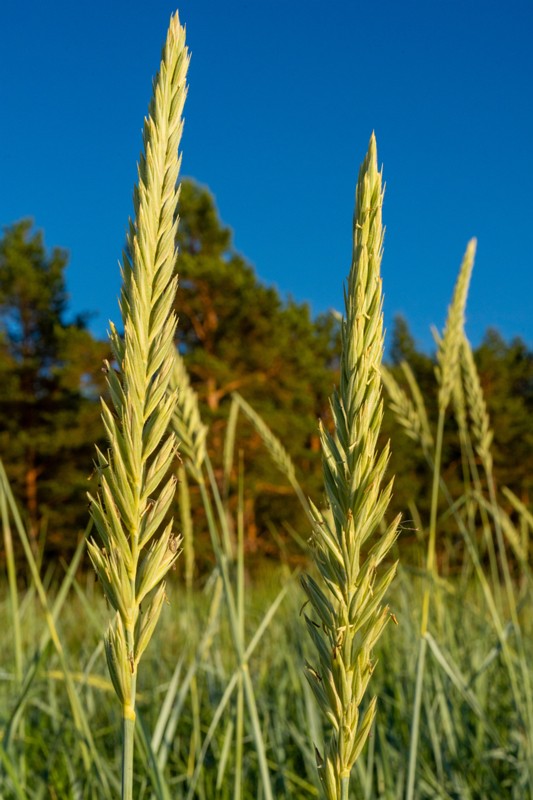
column 32, row 504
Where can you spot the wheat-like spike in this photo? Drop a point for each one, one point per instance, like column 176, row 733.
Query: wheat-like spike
column 278, row 453
column 477, row 407
column 519, row 506
column 186, row 420
column 460, row 410
column 411, row 414
column 449, row 346
column 509, row 530
column 133, row 500
column 350, row 604
column 526, row 517
column 420, row 406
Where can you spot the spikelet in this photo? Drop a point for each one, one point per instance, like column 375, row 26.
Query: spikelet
column 459, row 406
column 410, row 413
column 449, row 347
column 186, row 420
column 135, row 494
column 349, row 548
column 279, row 454
column 477, row 408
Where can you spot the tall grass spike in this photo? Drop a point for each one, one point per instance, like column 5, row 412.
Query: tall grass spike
column 349, row 548
column 135, row 493
column 449, row 346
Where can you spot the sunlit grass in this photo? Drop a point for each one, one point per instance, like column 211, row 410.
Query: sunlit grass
column 471, row 741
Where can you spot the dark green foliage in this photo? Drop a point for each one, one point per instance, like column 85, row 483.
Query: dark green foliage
column 238, row 335
column 50, row 382
column 506, row 375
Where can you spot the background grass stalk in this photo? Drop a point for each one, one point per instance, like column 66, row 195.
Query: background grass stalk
column 133, row 497
column 483, row 436
column 89, row 754
column 448, row 373
column 188, row 426
column 431, row 570
column 221, row 547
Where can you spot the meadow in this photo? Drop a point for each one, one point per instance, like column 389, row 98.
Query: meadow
column 194, row 735
column 371, row 671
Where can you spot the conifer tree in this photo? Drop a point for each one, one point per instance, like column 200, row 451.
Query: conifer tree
column 50, row 378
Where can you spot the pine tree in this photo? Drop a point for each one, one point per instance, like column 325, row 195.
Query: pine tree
column 51, row 378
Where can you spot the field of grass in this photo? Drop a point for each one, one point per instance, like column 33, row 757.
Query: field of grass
column 474, row 731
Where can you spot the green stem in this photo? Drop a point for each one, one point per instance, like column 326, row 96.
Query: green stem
column 239, row 736
column 415, row 726
column 15, row 617
column 221, row 544
column 431, row 569
column 345, row 788
column 128, row 711
column 13, row 590
column 128, row 720
column 239, row 728
column 431, row 574
column 486, row 527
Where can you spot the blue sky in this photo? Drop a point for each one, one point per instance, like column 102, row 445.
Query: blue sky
column 283, row 97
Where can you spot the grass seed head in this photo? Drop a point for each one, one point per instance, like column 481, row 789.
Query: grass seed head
column 133, row 501
column 350, row 607
column 449, row 346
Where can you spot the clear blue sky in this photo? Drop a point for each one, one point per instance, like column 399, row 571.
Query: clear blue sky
column 283, row 96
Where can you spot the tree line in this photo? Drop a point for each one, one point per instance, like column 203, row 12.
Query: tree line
column 235, row 334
